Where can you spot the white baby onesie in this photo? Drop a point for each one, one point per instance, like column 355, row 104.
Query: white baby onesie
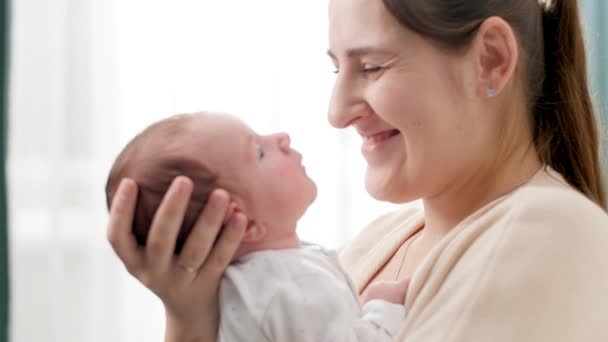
column 298, row 295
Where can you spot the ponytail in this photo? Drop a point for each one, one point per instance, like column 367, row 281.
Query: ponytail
column 562, row 120
column 565, row 126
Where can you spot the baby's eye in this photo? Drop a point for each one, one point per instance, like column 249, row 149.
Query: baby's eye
column 261, row 152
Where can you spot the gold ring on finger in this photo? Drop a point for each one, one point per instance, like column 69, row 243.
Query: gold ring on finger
column 188, row 268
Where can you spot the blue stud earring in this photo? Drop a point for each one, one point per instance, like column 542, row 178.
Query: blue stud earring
column 491, row 92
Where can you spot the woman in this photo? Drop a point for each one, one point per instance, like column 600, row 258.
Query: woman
column 481, row 108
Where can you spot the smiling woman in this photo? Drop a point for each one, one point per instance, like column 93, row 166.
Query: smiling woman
column 87, row 75
column 480, row 108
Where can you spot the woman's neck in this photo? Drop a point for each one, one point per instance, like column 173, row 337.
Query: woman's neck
column 444, row 211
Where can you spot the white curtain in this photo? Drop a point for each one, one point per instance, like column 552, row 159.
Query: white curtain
column 89, row 74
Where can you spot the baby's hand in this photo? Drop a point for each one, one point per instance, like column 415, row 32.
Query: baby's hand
column 390, row 291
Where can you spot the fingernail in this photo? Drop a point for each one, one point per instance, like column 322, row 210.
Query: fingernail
column 219, row 200
column 126, row 188
column 235, row 223
column 180, row 185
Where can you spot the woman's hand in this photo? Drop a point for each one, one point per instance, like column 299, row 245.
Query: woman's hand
column 390, row 291
column 187, row 284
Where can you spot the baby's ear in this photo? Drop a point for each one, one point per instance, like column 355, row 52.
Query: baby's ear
column 254, row 232
column 232, row 208
column 235, row 206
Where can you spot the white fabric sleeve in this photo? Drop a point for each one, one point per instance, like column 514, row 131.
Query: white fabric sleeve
column 385, row 315
column 299, row 314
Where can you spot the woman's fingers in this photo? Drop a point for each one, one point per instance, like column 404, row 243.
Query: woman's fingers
column 405, row 283
column 166, row 224
column 224, row 248
column 120, row 225
column 204, row 233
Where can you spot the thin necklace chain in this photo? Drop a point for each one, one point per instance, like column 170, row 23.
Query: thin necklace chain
column 414, row 238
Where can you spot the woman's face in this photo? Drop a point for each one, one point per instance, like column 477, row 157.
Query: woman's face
column 412, row 103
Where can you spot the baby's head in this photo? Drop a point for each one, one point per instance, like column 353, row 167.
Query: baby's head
column 264, row 176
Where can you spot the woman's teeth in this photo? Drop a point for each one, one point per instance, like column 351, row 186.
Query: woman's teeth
column 376, row 138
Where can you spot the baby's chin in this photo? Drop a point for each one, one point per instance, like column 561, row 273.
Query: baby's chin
column 314, row 192
column 312, row 196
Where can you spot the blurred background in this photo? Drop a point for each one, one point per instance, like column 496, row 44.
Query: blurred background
column 82, row 77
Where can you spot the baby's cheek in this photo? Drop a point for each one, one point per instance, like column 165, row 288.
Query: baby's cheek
column 287, row 170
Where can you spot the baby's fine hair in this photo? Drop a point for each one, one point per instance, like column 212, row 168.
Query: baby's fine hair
column 153, row 159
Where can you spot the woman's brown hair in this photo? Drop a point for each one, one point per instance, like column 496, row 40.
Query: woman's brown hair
column 563, row 120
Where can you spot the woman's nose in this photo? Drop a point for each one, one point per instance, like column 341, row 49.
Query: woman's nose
column 346, row 105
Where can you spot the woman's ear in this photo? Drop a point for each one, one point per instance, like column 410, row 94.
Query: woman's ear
column 496, row 54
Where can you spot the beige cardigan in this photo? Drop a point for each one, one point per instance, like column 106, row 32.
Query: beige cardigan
column 530, row 266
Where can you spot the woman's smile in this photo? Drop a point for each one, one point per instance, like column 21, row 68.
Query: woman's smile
column 376, row 143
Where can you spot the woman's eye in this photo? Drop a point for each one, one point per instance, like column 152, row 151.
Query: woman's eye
column 369, row 69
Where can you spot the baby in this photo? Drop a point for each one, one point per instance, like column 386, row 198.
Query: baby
column 277, row 287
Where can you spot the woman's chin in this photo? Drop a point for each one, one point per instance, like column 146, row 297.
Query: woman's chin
column 377, row 191
column 386, row 191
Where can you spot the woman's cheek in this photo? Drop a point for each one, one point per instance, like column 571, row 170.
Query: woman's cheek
column 391, row 101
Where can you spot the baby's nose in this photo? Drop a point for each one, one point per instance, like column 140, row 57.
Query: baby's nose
column 284, row 142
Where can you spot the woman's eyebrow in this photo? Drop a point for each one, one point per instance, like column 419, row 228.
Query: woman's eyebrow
column 362, row 51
